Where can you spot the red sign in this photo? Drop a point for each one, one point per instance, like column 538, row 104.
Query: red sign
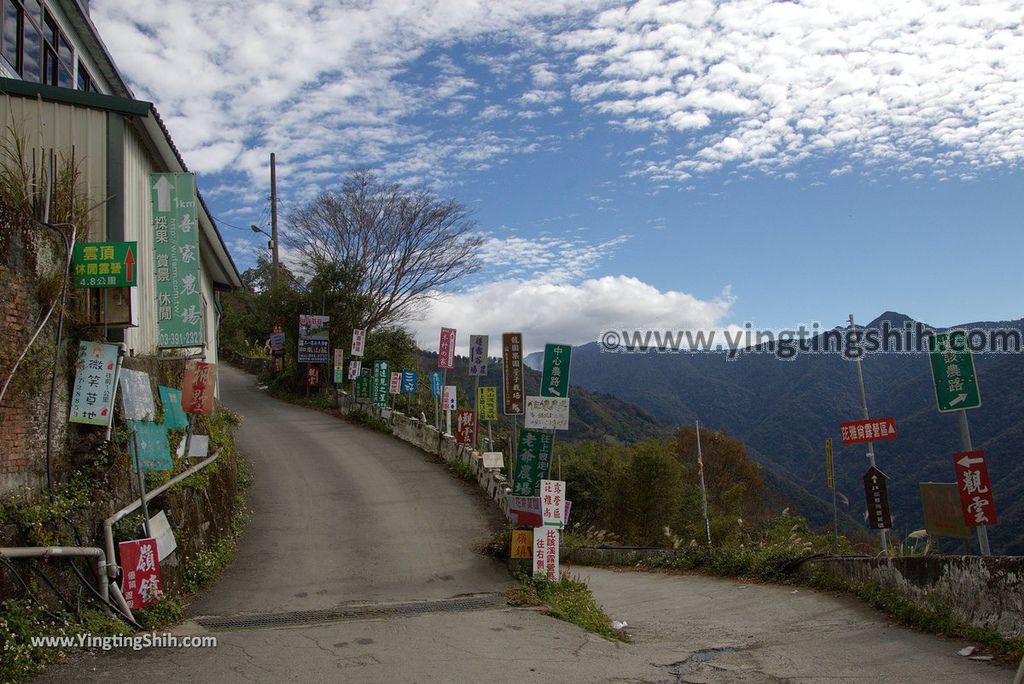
column 976, row 498
column 312, row 376
column 198, row 386
column 446, row 349
column 140, row 572
column 465, row 427
column 868, row 430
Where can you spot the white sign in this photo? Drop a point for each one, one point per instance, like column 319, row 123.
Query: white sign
column 358, row 342
column 552, row 498
column 547, row 413
column 199, row 447
column 478, row 354
column 493, row 459
column 448, row 397
column 136, row 395
column 160, row 529
column 545, row 552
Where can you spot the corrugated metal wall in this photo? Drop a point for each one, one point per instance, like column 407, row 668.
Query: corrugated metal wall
column 67, row 130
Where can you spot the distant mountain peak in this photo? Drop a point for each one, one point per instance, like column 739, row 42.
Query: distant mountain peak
column 894, row 318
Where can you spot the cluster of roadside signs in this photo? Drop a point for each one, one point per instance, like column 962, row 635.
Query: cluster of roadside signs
column 950, row 509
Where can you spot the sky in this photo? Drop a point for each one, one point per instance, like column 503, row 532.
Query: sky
column 653, row 165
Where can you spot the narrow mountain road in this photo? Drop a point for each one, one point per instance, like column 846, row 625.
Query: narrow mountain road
column 360, row 566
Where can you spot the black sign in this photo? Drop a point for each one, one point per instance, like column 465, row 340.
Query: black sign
column 877, row 497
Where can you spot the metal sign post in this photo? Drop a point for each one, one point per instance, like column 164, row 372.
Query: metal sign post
column 864, row 406
column 830, row 472
column 142, row 484
column 703, row 488
column 965, row 443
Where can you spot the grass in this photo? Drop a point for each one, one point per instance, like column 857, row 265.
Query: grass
column 568, row 599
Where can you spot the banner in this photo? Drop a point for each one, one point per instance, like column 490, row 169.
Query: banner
column 533, row 461
column 446, row 349
column 179, row 299
column 487, row 403
column 478, row 355
column 314, row 339
column 512, row 373
column 465, row 427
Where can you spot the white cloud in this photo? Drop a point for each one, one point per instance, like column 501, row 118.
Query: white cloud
column 563, row 312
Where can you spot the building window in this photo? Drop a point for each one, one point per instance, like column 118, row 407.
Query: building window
column 33, row 44
column 85, row 82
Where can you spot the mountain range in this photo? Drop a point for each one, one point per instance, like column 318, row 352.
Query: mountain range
column 784, row 409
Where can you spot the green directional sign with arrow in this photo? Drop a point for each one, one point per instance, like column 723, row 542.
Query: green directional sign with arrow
column 104, row 264
column 956, row 384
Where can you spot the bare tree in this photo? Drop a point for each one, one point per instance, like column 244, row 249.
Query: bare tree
column 381, row 248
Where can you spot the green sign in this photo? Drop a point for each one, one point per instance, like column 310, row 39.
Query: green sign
column 533, row 461
column 487, row 403
column 105, row 264
column 174, row 414
column 179, row 299
column 363, row 388
column 956, row 385
column 381, row 383
column 555, row 380
column 154, row 452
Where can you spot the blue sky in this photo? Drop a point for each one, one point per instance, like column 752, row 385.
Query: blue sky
column 649, row 164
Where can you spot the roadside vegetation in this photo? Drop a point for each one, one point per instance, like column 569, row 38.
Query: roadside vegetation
column 568, row 599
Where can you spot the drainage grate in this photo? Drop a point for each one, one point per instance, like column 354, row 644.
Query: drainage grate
column 379, row 610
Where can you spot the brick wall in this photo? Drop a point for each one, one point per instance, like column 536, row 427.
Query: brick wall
column 23, row 412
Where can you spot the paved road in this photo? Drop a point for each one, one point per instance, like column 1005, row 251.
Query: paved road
column 346, row 518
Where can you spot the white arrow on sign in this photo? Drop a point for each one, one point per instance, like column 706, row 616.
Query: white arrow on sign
column 163, row 189
column 958, row 399
column 967, row 461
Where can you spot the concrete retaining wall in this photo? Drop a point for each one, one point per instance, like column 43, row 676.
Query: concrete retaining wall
column 427, row 437
column 984, row 592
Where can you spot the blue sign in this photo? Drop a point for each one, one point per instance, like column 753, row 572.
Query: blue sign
column 154, row 453
column 410, row 380
column 174, row 414
column 435, row 383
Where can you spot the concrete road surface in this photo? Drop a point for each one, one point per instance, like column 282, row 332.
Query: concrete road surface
column 359, row 566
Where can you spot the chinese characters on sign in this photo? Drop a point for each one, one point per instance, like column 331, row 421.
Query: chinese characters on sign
column 446, row 349
column 976, row 498
column 547, row 413
column 533, row 461
column 314, row 339
column 364, row 388
column 859, row 431
column 358, row 342
column 104, row 264
column 179, row 300
column 465, row 427
column 277, row 341
column 877, row 496
column 449, row 398
column 478, row 355
column 198, row 386
column 555, row 379
column 174, row 414
column 435, row 383
column 828, row 464
column 93, row 396
column 140, row 572
column 956, row 385
column 545, row 552
column 522, row 544
column 512, row 373
column 552, row 500
column 487, row 402
column 312, row 376
column 381, row 382
column 355, row 369
column 410, row 381
column 339, row 367
column 396, row 382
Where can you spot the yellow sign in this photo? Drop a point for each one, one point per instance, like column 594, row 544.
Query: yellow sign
column 487, row 402
column 828, row 463
column 522, row 543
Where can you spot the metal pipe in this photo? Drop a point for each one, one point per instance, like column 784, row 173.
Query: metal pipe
column 108, row 524
column 64, row 552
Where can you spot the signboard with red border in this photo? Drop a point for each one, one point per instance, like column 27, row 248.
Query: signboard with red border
column 465, row 427
column 198, row 386
column 446, row 349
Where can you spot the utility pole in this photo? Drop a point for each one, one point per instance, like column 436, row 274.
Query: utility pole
column 703, row 488
column 273, row 215
column 864, row 406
